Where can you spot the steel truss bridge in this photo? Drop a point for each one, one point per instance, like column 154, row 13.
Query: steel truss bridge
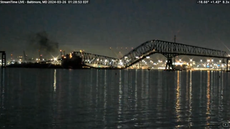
column 169, row 49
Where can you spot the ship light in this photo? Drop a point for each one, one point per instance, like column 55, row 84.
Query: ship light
column 70, row 55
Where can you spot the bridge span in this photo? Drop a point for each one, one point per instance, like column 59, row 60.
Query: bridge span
column 95, row 59
column 169, row 49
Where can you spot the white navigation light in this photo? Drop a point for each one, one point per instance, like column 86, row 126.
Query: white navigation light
column 147, row 57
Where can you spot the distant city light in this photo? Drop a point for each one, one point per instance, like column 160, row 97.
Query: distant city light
column 178, row 63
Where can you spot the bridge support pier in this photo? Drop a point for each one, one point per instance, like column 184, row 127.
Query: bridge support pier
column 227, row 64
column 169, row 64
column 3, row 59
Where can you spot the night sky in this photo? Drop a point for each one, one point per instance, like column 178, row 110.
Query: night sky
column 102, row 24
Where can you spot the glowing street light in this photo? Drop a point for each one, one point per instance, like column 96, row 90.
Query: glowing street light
column 121, row 63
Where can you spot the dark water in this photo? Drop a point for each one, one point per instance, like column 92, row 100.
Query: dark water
column 98, row 99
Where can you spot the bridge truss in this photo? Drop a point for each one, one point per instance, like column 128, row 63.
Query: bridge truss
column 168, row 49
column 95, row 59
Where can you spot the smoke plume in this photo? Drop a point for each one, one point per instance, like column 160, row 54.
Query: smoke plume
column 41, row 42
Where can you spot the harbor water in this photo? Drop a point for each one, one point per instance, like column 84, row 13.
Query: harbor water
column 107, row 99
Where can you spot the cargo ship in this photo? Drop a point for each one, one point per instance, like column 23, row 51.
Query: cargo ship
column 68, row 61
column 72, row 61
column 33, row 65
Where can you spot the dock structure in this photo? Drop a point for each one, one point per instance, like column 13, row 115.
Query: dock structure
column 3, row 59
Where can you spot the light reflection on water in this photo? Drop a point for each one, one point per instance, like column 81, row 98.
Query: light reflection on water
column 66, row 99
